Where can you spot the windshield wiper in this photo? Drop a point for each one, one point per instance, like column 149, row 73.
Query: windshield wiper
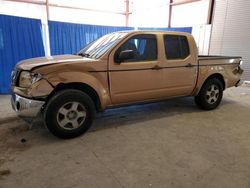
column 83, row 54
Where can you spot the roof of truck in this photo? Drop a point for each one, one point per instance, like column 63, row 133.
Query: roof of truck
column 154, row 32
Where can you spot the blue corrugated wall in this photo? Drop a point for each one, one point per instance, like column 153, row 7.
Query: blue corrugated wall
column 68, row 38
column 20, row 38
column 181, row 29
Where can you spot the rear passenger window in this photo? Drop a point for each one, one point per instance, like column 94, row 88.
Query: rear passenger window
column 176, row 47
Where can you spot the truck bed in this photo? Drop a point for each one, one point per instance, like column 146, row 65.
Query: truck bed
column 215, row 57
column 218, row 60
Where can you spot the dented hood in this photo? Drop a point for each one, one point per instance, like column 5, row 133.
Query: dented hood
column 29, row 64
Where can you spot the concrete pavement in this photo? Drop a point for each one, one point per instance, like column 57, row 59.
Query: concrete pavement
column 166, row 144
column 6, row 112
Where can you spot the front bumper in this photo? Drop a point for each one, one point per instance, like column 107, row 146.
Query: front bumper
column 238, row 83
column 26, row 107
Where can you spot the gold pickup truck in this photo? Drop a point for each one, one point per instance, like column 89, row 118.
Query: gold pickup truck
column 120, row 68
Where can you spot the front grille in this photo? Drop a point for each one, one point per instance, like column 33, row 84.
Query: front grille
column 15, row 76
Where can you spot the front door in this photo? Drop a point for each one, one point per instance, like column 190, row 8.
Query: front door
column 136, row 78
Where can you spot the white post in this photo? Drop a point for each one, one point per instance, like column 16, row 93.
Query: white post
column 45, row 23
column 46, row 40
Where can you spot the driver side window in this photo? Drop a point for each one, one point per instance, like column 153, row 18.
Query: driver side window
column 144, row 48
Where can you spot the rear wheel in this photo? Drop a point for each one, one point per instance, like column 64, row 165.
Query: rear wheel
column 69, row 113
column 210, row 94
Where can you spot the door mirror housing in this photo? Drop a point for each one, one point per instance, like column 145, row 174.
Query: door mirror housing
column 125, row 55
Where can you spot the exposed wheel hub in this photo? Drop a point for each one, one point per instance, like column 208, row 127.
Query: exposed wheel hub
column 71, row 115
column 212, row 93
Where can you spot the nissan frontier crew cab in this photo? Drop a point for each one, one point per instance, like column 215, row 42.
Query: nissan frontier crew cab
column 120, row 68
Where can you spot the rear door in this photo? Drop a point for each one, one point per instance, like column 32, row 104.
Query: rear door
column 179, row 65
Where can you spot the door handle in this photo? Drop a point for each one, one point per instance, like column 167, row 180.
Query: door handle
column 189, row 65
column 156, row 67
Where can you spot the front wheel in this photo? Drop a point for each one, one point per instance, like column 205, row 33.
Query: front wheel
column 210, row 94
column 69, row 113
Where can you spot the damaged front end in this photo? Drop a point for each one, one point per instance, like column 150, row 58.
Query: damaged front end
column 29, row 92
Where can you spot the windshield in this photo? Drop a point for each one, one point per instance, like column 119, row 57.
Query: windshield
column 100, row 46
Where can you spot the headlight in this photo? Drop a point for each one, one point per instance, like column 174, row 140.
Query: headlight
column 28, row 78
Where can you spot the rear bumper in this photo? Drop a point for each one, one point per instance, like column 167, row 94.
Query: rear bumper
column 26, row 107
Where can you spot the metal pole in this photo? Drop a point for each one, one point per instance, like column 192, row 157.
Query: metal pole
column 210, row 12
column 46, row 31
column 127, row 12
column 170, row 13
column 47, row 9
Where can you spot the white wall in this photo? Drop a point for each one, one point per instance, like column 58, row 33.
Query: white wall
column 86, row 17
column 23, row 9
column 89, row 17
column 231, row 31
column 107, row 5
column 69, row 15
column 201, row 35
column 149, row 14
column 190, row 14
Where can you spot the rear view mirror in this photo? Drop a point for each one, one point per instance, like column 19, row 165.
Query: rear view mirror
column 125, row 55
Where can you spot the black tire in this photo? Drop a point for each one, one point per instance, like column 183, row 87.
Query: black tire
column 208, row 100
column 63, row 101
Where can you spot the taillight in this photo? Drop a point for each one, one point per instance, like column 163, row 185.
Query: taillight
column 241, row 62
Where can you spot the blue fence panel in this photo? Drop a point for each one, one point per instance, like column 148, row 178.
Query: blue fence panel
column 181, row 29
column 20, row 38
column 69, row 38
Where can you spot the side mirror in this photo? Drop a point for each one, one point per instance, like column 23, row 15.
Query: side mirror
column 125, row 55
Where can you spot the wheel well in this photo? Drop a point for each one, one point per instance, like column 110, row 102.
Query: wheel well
column 219, row 77
column 79, row 86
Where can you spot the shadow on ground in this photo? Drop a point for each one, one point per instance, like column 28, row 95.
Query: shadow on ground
column 130, row 115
